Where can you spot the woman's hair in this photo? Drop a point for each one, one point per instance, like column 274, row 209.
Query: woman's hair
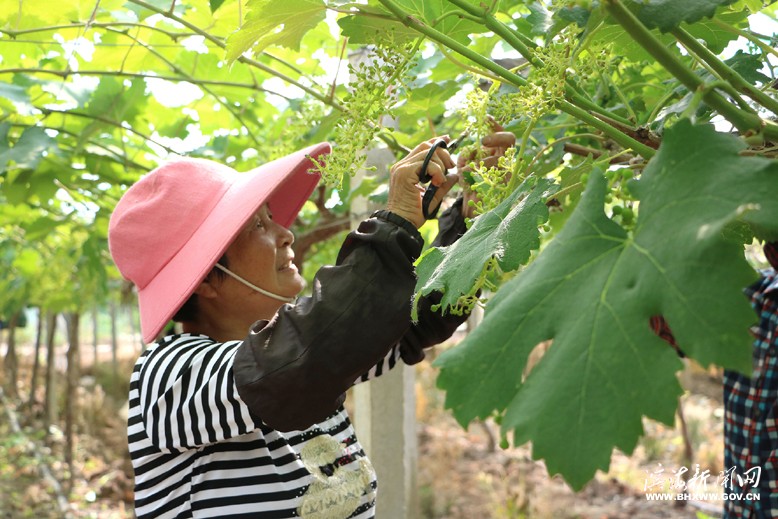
column 190, row 308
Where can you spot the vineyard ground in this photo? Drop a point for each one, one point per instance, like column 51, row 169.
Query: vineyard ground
column 462, row 473
column 462, row 477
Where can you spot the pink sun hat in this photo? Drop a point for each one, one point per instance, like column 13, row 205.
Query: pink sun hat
column 172, row 226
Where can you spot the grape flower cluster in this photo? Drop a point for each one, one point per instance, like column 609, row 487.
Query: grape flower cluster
column 372, row 96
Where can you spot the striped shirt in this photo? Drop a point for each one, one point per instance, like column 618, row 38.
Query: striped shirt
column 197, row 451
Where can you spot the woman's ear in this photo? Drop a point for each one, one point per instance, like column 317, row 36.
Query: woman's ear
column 206, row 289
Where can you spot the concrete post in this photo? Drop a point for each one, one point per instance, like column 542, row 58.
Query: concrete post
column 385, row 408
column 385, row 422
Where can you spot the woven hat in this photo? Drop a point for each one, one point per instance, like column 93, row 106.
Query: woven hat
column 172, row 226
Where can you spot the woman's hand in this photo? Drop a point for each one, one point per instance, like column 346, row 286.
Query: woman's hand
column 405, row 193
column 494, row 145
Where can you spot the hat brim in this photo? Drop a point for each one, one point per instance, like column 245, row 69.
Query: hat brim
column 285, row 184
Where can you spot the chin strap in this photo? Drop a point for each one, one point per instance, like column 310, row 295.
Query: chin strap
column 253, row 286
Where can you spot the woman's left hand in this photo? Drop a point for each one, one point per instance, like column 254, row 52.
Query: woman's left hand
column 494, row 146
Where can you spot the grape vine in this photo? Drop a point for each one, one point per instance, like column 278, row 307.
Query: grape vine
column 377, row 82
column 638, row 139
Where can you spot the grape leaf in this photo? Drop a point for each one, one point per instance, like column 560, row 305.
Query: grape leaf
column 15, row 93
column 113, row 99
column 539, row 18
column 666, row 15
column 39, row 228
column 436, row 14
column 550, row 23
column 28, row 151
column 361, row 29
column 215, row 4
column 605, row 368
column 508, row 233
column 749, row 66
column 430, row 99
column 274, row 22
column 716, row 38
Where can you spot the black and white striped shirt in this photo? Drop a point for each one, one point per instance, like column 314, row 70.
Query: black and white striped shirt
column 197, row 452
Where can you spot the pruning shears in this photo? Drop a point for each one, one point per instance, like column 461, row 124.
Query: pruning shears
column 424, row 177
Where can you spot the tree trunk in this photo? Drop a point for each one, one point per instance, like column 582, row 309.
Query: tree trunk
column 36, row 361
column 135, row 327
column 329, row 225
column 50, row 405
column 114, row 340
column 11, row 364
column 71, row 395
column 94, row 338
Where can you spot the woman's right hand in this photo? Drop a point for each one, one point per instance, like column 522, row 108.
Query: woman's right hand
column 405, row 193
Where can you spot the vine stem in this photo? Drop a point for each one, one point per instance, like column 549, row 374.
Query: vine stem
column 123, row 159
column 47, row 111
column 724, row 71
column 469, row 68
column 608, row 83
column 334, row 84
column 409, row 20
column 550, row 145
column 65, row 73
column 745, row 122
column 219, row 43
column 750, row 36
column 188, row 78
column 524, row 47
column 13, row 33
column 562, row 192
column 514, row 181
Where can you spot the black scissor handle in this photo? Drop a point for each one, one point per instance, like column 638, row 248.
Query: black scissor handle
column 424, row 177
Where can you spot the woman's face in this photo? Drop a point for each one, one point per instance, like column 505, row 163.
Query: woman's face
column 262, row 254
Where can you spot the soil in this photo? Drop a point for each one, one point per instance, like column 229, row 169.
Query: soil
column 462, row 474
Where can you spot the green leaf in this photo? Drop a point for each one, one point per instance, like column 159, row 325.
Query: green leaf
column 40, row 228
column 142, row 13
column 752, row 5
column 15, row 93
column 275, row 22
column 508, row 233
column 716, row 38
column 362, row 30
column 539, row 18
column 28, row 150
column 592, row 291
column 573, row 14
column 666, row 15
column 438, row 14
column 550, row 23
column 27, row 263
column 113, row 100
column 429, row 100
column 749, row 67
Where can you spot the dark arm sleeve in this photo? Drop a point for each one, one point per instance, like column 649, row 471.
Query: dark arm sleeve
column 432, row 327
column 293, row 371
column 451, row 225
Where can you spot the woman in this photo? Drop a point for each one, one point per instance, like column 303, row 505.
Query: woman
column 241, row 415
